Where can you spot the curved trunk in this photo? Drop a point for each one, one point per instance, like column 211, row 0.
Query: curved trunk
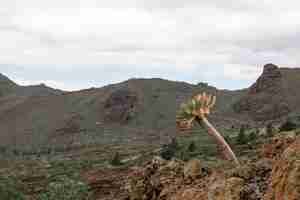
column 226, row 150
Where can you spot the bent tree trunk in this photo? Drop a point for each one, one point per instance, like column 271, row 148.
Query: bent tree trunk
column 226, row 150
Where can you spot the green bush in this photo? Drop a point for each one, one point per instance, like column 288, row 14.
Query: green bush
column 169, row 150
column 9, row 189
column 184, row 155
column 252, row 136
column 66, row 189
column 192, row 147
column 242, row 138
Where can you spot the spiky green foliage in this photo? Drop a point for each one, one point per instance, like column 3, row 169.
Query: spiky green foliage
column 242, row 137
column 196, row 108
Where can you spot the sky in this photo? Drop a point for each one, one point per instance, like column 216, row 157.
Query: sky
column 77, row 44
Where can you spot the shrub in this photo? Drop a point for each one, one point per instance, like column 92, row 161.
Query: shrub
column 116, row 160
column 252, row 136
column 184, row 155
column 192, row 147
column 169, row 150
column 9, row 189
column 66, row 189
column 242, row 138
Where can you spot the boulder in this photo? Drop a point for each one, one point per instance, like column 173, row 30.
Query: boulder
column 192, row 169
column 230, row 189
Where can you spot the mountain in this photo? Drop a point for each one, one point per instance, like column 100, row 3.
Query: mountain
column 137, row 111
column 10, row 88
column 6, row 85
column 273, row 96
column 133, row 109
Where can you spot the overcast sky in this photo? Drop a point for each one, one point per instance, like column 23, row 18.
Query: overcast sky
column 75, row 44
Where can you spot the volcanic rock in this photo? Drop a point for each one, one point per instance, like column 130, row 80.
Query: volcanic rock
column 120, row 106
column 266, row 98
column 285, row 178
column 193, row 169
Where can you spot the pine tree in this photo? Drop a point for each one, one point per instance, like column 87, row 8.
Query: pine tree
column 192, row 147
column 242, row 138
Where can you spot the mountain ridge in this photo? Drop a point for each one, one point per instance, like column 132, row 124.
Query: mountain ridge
column 134, row 110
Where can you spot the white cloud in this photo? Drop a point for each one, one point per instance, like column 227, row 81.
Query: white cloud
column 228, row 40
column 241, row 72
column 53, row 83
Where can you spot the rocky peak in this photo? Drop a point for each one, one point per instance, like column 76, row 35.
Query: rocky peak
column 266, row 97
column 269, row 68
column 269, row 81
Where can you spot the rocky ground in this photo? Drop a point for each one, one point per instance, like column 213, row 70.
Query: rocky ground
column 275, row 175
column 272, row 174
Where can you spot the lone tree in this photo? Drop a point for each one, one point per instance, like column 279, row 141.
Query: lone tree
column 242, row 137
column 196, row 110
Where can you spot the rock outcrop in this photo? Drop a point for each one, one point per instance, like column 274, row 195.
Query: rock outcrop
column 175, row 180
column 120, row 106
column 192, row 169
column 274, row 176
column 266, row 99
column 230, row 189
column 285, row 178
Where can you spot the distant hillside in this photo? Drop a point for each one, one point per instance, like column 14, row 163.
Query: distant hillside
column 10, row 88
column 119, row 112
column 134, row 111
column 6, row 85
column 137, row 111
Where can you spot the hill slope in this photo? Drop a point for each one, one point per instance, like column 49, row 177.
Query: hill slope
column 6, row 85
column 134, row 111
column 137, row 111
